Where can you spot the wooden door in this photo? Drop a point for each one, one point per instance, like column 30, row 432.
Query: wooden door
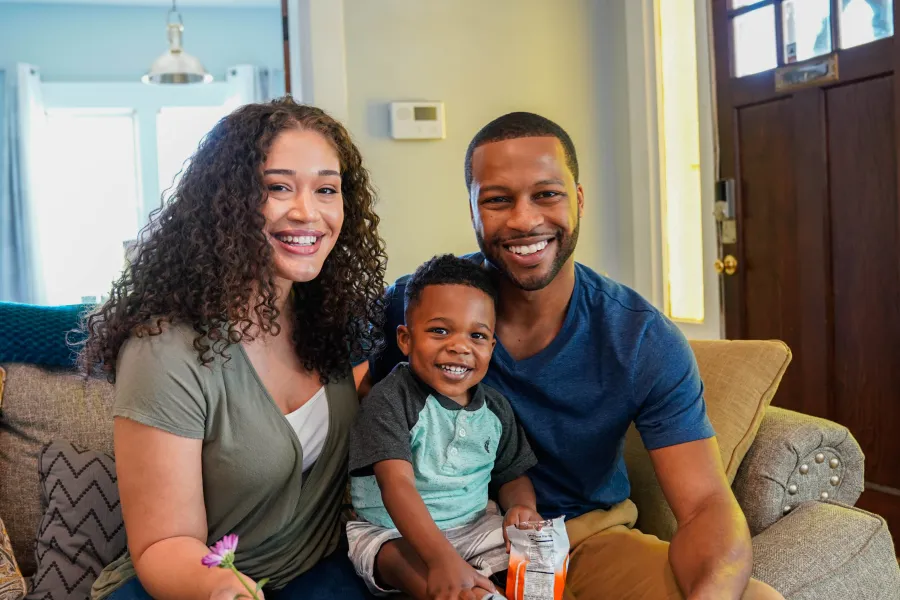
column 816, row 173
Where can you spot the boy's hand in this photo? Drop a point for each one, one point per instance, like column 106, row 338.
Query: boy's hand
column 450, row 575
column 518, row 514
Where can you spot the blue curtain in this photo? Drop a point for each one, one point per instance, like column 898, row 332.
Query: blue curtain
column 16, row 255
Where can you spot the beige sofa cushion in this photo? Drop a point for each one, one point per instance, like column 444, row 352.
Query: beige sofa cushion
column 740, row 380
column 40, row 405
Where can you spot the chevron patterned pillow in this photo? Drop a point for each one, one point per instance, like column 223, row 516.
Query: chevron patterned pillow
column 82, row 530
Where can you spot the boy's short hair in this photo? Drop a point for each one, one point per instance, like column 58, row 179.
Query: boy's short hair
column 520, row 125
column 448, row 269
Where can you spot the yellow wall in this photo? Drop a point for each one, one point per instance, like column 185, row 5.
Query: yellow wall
column 484, row 58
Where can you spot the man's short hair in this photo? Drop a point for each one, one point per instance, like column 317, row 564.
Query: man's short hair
column 448, row 269
column 520, row 125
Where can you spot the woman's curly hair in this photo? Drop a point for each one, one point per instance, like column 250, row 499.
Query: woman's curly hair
column 205, row 260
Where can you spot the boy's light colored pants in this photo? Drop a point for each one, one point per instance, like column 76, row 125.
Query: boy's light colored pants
column 480, row 543
column 612, row 560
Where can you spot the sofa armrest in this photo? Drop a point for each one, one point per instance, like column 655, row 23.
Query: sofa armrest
column 826, row 551
column 796, row 458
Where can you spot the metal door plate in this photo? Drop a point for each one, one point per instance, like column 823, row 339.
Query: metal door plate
column 729, row 231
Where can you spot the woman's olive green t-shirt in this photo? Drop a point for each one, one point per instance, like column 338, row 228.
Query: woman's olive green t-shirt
column 253, row 483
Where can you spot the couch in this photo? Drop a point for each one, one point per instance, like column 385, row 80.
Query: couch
column 796, row 477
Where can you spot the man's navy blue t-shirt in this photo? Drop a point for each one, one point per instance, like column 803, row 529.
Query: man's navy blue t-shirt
column 616, row 360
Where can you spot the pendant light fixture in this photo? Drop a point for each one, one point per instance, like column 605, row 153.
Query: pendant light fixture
column 176, row 66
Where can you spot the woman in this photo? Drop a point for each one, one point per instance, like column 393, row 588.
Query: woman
column 228, row 339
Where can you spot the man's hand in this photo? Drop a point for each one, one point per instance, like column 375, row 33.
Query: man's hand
column 449, row 576
column 516, row 515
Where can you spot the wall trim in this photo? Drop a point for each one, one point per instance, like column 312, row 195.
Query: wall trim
column 643, row 125
column 319, row 55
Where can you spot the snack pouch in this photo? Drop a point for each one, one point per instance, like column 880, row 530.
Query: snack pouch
column 538, row 560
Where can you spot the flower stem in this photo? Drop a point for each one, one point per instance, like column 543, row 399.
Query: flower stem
column 244, row 583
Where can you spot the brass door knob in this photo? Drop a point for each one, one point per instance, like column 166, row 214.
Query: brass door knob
column 727, row 265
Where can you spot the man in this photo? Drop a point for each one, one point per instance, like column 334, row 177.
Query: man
column 580, row 358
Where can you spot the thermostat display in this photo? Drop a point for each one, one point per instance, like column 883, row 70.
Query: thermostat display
column 425, row 113
column 418, row 121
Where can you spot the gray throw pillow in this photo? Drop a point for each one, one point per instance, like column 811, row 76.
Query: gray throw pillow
column 82, row 530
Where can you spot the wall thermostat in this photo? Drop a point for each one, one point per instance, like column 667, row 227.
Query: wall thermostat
column 418, row 121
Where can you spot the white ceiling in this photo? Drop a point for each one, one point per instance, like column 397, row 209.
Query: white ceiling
column 240, row 3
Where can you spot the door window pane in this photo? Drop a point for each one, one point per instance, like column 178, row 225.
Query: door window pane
column 754, row 41
column 807, row 29
column 864, row 21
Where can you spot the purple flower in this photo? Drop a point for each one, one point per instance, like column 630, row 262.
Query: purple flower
column 222, row 554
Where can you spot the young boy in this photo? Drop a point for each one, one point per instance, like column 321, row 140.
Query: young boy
column 430, row 440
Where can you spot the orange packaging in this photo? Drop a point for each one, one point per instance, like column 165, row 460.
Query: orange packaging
column 538, row 560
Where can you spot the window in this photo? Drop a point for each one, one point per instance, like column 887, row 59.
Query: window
column 101, row 152
column 87, row 202
column 864, row 21
column 680, row 162
column 179, row 130
column 754, row 41
column 806, row 26
column 806, row 29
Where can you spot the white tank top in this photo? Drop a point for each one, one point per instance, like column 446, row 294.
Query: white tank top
column 310, row 423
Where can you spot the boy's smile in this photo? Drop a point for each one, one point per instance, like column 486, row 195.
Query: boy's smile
column 449, row 338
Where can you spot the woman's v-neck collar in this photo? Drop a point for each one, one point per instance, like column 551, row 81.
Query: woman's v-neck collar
column 286, row 425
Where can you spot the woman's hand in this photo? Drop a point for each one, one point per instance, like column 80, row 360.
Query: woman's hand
column 231, row 592
column 516, row 515
column 450, row 576
column 233, row 588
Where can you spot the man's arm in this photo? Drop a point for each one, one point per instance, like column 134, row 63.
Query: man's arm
column 363, row 379
column 383, row 362
column 710, row 554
